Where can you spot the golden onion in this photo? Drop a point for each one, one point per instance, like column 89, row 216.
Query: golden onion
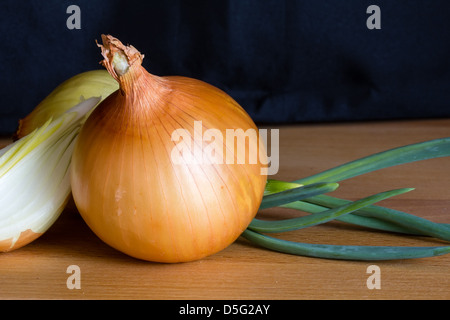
column 140, row 177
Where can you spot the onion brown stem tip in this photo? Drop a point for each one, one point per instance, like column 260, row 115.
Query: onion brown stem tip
column 118, row 58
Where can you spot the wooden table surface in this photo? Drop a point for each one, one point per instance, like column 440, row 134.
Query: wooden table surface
column 244, row 271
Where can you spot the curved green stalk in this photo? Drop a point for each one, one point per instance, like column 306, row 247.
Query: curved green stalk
column 341, row 252
column 414, row 223
column 297, row 193
column 320, row 217
column 353, row 218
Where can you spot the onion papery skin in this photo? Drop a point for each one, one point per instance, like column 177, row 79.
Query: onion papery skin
column 132, row 194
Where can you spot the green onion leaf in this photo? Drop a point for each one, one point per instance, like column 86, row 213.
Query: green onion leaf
column 353, row 218
column 409, row 221
column 298, row 193
column 343, row 252
column 320, row 217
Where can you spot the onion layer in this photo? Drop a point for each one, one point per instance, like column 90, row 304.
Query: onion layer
column 34, row 178
column 94, row 83
column 130, row 189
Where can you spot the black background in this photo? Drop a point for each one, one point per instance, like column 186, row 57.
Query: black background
column 284, row 61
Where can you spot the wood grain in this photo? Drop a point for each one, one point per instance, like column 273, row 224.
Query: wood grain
column 243, row 271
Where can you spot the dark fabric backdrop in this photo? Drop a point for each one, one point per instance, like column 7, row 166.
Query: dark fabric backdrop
column 282, row 60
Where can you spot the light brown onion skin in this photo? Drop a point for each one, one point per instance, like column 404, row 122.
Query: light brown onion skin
column 25, row 238
column 131, row 194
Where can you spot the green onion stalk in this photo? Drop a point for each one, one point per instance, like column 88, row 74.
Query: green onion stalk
column 310, row 195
